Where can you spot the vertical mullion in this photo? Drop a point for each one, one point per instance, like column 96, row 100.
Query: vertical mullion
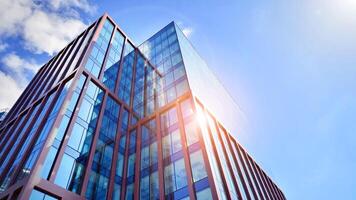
column 117, row 84
column 12, row 143
column 255, row 175
column 50, row 137
column 115, row 154
column 273, row 194
column 102, row 67
column 93, row 144
column 39, row 129
column 277, row 190
column 268, row 190
column 118, row 77
column 220, row 132
column 22, row 140
column 221, row 171
column 15, row 108
column 49, row 74
column 60, row 66
column 251, row 172
column 128, row 138
column 138, row 163
column 185, row 153
column 40, row 82
column 24, row 98
column 212, row 182
column 253, row 163
column 126, row 159
column 10, row 132
column 71, row 122
column 239, row 170
column 160, row 157
column 80, row 41
column 245, row 169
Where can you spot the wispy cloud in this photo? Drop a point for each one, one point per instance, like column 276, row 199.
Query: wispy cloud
column 83, row 5
column 18, row 67
column 44, row 28
column 48, row 33
column 41, row 27
column 14, row 81
column 3, row 46
column 10, row 90
column 187, row 31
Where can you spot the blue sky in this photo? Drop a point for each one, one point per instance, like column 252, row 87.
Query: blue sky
column 290, row 65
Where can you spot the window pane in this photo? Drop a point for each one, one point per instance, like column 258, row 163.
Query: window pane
column 176, row 141
column 80, row 142
column 191, row 132
column 204, row 194
column 186, row 107
column 181, row 176
column 198, row 167
column 100, row 170
column 169, row 179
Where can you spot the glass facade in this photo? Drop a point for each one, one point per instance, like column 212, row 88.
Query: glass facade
column 105, row 119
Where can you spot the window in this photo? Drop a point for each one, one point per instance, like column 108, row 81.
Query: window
column 149, row 186
column 96, row 57
column 171, row 94
column 176, row 58
column 119, row 168
column 182, row 87
column 169, row 179
column 179, row 72
column 113, row 61
column 131, row 165
column 191, row 132
column 204, row 194
column 169, row 118
column 100, row 170
column 171, row 143
column 130, row 192
column 127, row 74
column 221, row 156
column 168, row 78
column 74, row 161
column 38, row 195
column 198, row 167
column 175, row 176
column 186, row 107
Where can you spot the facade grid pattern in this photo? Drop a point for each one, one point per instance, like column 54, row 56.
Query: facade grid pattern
column 105, row 119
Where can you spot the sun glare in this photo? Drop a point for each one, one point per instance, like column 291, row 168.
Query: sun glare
column 201, row 117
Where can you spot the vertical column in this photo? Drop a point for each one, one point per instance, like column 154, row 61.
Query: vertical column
column 185, row 153
column 160, row 158
column 92, row 149
column 137, row 163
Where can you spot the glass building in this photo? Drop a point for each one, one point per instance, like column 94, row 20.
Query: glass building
column 106, row 119
column 3, row 113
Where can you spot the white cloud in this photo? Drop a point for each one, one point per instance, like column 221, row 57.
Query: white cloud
column 14, row 62
column 42, row 27
column 12, row 15
column 12, row 86
column 70, row 4
column 49, row 33
column 10, row 90
column 43, row 30
column 18, row 66
column 187, row 31
column 3, row 46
